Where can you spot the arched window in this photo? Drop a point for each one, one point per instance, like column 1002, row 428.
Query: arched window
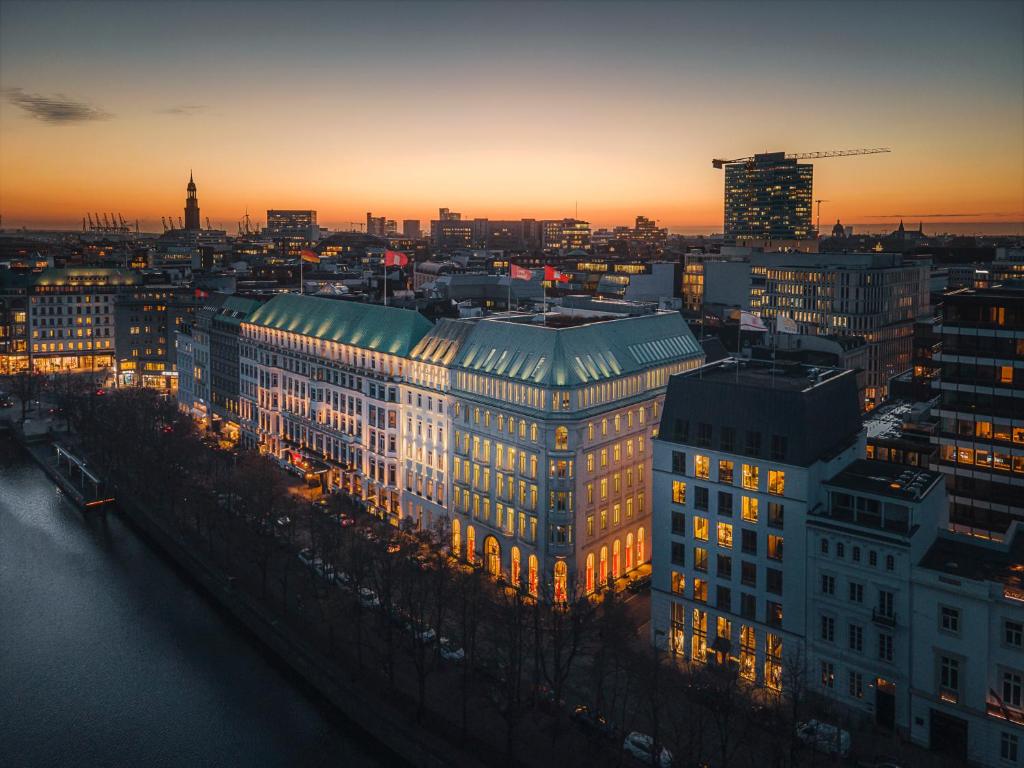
column 603, row 570
column 515, row 566
column 640, row 546
column 617, row 559
column 629, row 551
column 492, row 556
column 456, row 538
column 470, row 544
column 561, row 439
column 533, row 433
column 532, row 575
column 561, row 581
column 590, row 573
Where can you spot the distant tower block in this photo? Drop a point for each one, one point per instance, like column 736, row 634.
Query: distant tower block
column 191, row 206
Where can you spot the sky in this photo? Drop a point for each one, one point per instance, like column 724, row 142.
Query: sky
column 506, row 110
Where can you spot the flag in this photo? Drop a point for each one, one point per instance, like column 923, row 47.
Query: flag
column 520, row 273
column 785, row 325
column 751, row 322
column 310, row 257
column 395, row 259
column 552, row 275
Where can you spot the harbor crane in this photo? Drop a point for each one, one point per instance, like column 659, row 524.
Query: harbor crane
column 717, row 163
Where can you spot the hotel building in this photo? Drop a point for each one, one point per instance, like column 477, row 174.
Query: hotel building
column 533, row 439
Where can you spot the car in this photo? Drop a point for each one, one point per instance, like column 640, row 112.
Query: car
column 424, row 636
column 639, row 584
column 450, row 651
column 593, row 722
column 6, row 402
column 368, row 598
column 345, row 521
column 823, row 737
column 641, row 746
column 342, row 580
column 283, row 521
column 306, row 557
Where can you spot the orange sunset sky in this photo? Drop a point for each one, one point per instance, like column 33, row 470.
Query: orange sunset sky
column 505, row 110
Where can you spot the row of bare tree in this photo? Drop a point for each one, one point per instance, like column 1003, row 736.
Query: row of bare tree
column 473, row 658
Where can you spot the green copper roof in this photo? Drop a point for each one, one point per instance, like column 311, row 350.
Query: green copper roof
column 560, row 357
column 369, row 326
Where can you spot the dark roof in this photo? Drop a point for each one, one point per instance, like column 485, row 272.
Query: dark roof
column 960, row 556
column 815, row 410
column 880, row 478
column 714, row 349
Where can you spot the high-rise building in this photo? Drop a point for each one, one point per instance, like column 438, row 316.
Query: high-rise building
column 191, row 206
column 981, row 411
column 768, row 198
column 411, row 229
column 376, row 225
column 565, row 235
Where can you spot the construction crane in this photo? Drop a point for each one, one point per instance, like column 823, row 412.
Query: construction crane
column 807, row 156
column 817, row 225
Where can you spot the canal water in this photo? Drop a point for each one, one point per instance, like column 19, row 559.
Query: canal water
column 109, row 658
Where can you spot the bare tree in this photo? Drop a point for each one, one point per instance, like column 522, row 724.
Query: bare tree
column 26, row 386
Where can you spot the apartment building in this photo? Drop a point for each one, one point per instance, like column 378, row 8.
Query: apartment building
column 967, row 666
column 738, row 467
column 873, row 524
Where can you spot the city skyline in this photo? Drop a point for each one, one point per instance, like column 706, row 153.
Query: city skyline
column 296, row 107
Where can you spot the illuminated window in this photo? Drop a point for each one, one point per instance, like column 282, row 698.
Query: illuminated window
column 678, row 492
column 775, row 547
column 532, row 575
column 776, row 482
column 561, row 581
column 725, row 471
column 750, row 509
column 700, row 590
column 725, row 535
column 700, row 528
column 748, row 652
column 750, row 477
column 699, row 646
column 701, row 467
column 773, row 662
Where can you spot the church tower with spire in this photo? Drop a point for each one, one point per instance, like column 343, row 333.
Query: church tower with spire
column 191, row 206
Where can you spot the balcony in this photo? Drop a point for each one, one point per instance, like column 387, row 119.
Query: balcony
column 883, row 619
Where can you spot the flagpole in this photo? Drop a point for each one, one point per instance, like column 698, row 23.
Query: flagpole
column 508, row 305
column 385, row 278
column 302, row 264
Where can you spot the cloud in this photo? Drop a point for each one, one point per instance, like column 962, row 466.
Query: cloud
column 183, row 109
column 55, row 110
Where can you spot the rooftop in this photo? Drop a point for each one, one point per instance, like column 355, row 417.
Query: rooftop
column 573, row 352
column 763, row 375
column 883, row 479
column 960, row 556
column 369, row 326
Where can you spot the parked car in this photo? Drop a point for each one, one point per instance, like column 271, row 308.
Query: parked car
column 368, row 598
column 593, row 722
column 450, row 651
column 639, row 584
column 345, row 521
column 424, row 636
column 306, row 557
column 342, row 580
column 283, row 521
column 641, row 746
column 823, row 737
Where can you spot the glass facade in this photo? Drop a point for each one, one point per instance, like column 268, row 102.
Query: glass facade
column 768, row 198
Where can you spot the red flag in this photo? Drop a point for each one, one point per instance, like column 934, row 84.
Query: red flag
column 310, row 257
column 552, row 275
column 520, row 273
column 395, row 259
